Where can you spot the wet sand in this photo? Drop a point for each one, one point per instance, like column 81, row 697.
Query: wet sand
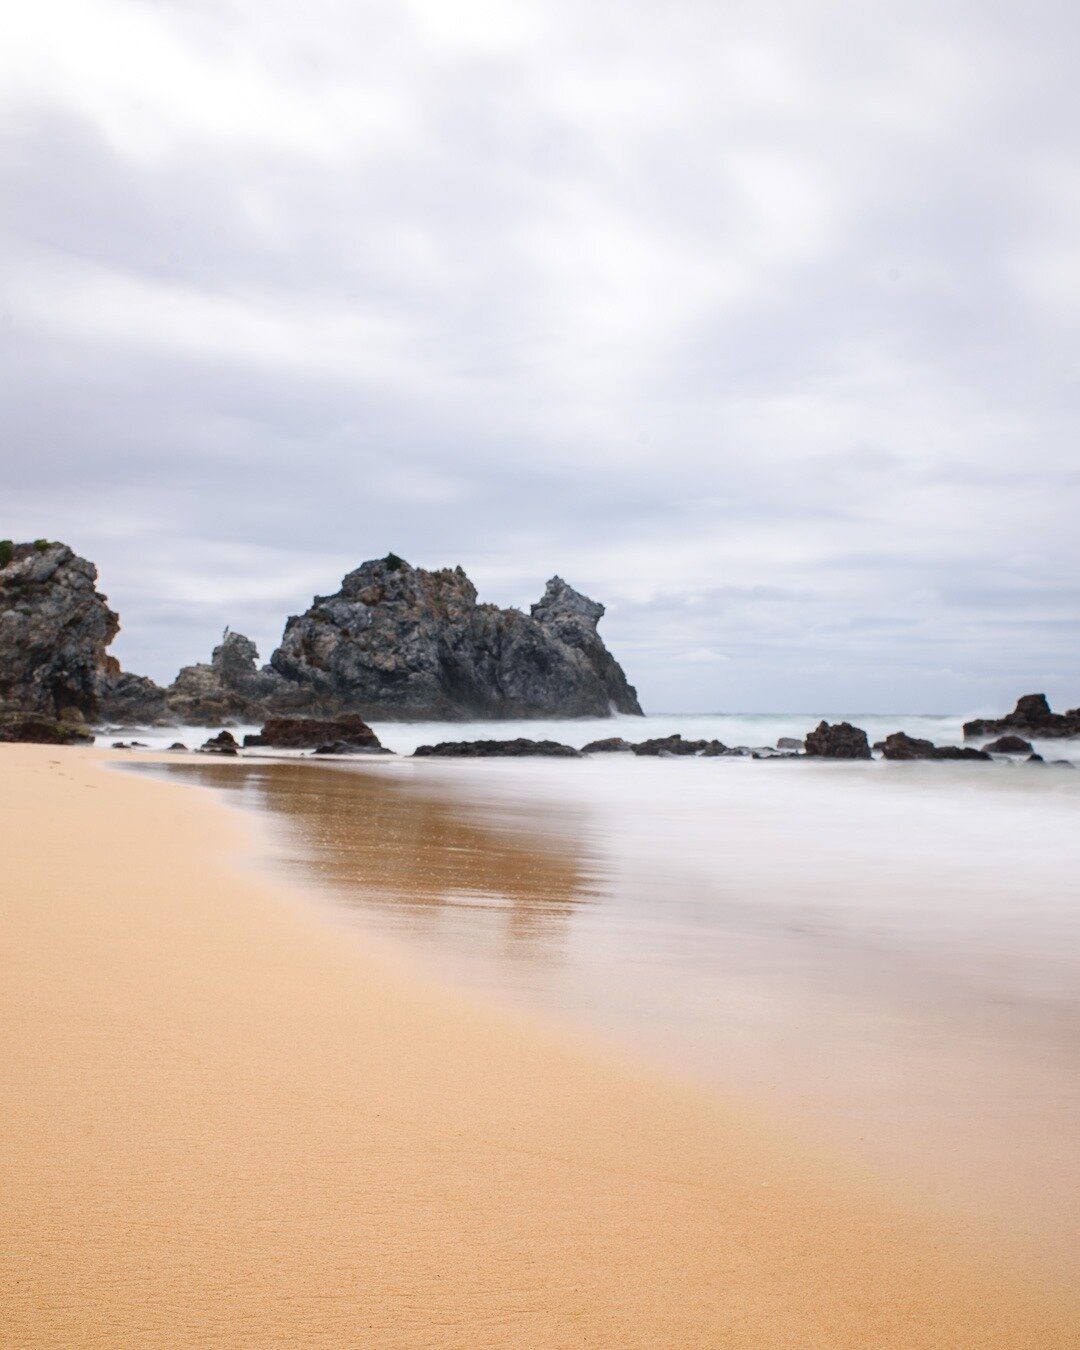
column 230, row 1120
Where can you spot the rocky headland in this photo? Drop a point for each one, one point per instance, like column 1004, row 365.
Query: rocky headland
column 396, row 642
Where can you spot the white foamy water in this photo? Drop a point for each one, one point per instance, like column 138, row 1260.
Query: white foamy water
column 889, row 953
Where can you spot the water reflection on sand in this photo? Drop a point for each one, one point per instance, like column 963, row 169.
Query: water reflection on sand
column 503, row 884
column 891, row 953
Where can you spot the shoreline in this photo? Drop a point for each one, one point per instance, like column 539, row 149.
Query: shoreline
column 228, row 1122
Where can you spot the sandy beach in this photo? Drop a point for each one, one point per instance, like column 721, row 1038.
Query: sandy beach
column 230, row 1121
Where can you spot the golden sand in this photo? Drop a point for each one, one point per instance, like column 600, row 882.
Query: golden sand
column 228, row 1121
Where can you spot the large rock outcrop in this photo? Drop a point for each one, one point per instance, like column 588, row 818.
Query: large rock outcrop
column 54, row 631
column 399, row 642
column 1031, row 718
column 396, row 642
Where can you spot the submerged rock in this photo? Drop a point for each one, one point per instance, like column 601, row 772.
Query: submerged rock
column 400, row 642
column 518, row 747
column 308, row 733
column 675, row 745
column 1010, row 745
column 346, row 748
column 611, row 745
column 839, row 740
column 1031, row 717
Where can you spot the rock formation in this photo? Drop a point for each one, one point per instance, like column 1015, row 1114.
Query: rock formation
column 54, row 629
column 42, row 729
column 231, row 688
column 398, row 642
column 675, row 745
column 902, row 746
column 1010, row 745
column 1030, row 718
column 838, row 741
column 349, row 732
column 516, row 748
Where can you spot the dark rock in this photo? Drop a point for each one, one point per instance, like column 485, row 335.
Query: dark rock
column 178, row 745
column 224, row 743
column 902, row 746
column 229, row 688
column 54, row 629
column 488, row 749
column 134, row 700
column 1031, row 717
column 1010, row 745
column 1033, row 758
column 612, row 745
column 120, row 745
column 838, row 740
column 398, row 642
column 789, row 743
column 42, row 729
column 307, row 733
column 675, row 745
column 347, row 748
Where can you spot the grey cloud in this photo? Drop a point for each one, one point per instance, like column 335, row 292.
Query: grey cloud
column 768, row 362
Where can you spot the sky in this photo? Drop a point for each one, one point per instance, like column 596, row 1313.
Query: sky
column 757, row 322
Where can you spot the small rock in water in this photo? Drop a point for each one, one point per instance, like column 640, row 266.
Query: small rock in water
column 308, row 733
column 224, row 743
column 838, row 741
column 1010, row 745
column 178, row 745
column 519, row 747
column 789, row 743
column 349, row 748
column 675, row 745
column 610, row 745
column 902, row 746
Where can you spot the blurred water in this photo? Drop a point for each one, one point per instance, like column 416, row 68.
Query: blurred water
column 734, row 729
column 889, row 952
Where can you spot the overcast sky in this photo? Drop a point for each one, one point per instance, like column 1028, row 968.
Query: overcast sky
column 758, row 322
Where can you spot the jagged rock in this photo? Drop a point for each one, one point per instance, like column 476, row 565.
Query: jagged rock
column 398, row 642
column 224, row 743
column 308, row 733
column 675, row 745
column 54, row 629
column 489, row 749
column 229, row 688
column 132, row 700
column 610, row 745
column 1031, row 717
column 1010, row 745
column 902, row 746
column 42, row 729
column 838, row 740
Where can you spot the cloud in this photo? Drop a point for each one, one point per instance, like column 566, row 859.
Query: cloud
column 753, row 321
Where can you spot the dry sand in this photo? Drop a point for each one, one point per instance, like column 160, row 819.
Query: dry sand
column 229, row 1121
